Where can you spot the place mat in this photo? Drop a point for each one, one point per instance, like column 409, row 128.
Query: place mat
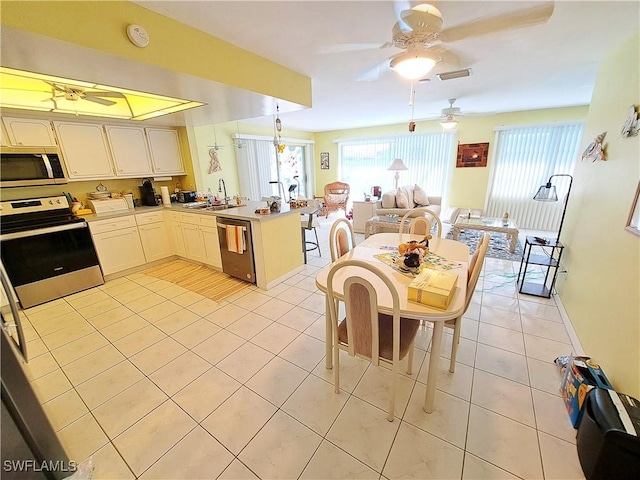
column 432, row 260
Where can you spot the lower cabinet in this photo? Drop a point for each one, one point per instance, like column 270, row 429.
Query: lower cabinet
column 118, row 244
column 154, row 235
column 200, row 236
column 131, row 241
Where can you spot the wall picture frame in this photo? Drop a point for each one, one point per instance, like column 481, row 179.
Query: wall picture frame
column 472, row 155
column 324, row 160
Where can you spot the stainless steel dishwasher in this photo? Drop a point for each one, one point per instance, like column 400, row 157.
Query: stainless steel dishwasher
column 237, row 257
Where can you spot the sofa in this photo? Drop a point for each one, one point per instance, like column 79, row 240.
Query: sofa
column 403, row 199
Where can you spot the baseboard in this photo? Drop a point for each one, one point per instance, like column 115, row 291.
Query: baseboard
column 575, row 341
column 281, row 279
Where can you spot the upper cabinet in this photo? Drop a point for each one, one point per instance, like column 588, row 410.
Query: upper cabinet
column 28, row 132
column 84, row 150
column 166, row 157
column 129, row 150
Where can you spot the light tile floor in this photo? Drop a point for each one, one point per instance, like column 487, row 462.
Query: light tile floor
column 156, row 382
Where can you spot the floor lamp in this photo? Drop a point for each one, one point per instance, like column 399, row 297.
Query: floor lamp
column 396, row 166
column 547, row 193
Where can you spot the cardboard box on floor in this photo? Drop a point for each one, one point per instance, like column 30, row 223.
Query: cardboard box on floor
column 580, row 376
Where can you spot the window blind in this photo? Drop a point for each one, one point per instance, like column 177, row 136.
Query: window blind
column 428, row 157
column 524, row 159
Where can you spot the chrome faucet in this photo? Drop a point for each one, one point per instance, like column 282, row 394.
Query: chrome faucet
column 221, row 187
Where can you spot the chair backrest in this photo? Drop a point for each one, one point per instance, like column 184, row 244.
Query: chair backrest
column 420, row 222
column 361, row 306
column 475, row 266
column 342, row 238
column 336, row 194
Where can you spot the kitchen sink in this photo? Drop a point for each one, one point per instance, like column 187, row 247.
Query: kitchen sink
column 219, row 207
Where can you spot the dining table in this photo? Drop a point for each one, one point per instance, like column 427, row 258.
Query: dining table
column 449, row 255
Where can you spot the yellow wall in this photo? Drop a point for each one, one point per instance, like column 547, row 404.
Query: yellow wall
column 102, row 26
column 468, row 187
column 203, row 137
column 281, row 246
column 602, row 290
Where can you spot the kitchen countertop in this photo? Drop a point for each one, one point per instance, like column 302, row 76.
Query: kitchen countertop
column 246, row 212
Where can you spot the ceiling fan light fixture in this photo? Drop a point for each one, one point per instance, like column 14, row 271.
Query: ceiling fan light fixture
column 449, row 122
column 413, row 64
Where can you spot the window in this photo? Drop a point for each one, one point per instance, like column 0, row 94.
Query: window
column 258, row 165
column 428, row 157
column 524, row 159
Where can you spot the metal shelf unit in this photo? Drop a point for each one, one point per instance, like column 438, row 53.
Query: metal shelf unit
column 548, row 262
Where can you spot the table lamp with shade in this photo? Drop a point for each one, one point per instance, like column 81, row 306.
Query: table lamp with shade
column 547, row 193
column 396, row 166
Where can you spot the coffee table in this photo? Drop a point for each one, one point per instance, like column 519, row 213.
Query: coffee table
column 382, row 224
column 491, row 224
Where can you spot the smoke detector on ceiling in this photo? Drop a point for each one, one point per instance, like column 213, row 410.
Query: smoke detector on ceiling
column 138, row 35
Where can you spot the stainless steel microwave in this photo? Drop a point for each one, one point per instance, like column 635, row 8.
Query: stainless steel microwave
column 25, row 167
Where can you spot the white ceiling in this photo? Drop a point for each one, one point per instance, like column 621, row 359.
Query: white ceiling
column 543, row 66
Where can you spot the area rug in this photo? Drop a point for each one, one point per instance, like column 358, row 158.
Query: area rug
column 198, row 278
column 498, row 244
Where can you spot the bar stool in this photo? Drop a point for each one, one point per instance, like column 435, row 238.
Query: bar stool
column 310, row 223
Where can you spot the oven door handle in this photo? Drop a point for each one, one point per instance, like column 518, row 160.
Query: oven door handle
column 42, row 231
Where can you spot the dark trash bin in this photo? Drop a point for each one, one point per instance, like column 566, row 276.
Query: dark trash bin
column 608, row 438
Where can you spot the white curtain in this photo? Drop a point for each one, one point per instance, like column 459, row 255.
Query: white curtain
column 254, row 168
column 428, row 157
column 524, row 158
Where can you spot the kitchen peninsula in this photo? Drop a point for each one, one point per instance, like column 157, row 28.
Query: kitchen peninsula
column 275, row 237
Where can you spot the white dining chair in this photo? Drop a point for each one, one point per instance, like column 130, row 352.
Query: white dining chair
column 342, row 238
column 422, row 220
column 475, row 267
column 365, row 331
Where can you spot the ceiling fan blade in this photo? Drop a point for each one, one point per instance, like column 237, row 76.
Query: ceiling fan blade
column 101, row 101
column 508, row 21
column 347, row 47
column 373, row 73
column 400, row 6
column 103, row 94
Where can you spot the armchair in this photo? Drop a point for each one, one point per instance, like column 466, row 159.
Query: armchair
column 336, row 196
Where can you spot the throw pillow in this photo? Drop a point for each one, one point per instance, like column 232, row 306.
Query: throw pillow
column 420, row 196
column 404, row 198
column 389, row 200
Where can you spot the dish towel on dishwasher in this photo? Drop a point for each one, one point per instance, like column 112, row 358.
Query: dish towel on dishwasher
column 235, row 239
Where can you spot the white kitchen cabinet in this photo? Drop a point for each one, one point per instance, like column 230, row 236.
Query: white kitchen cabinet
column 29, row 132
column 84, row 150
column 129, row 151
column 201, row 239
column 174, row 226
column 362, row 211
column 154, row 235
column 117, row 243
column 4, row 139
column 211, row 246
column 164, row 147
column 193, row 243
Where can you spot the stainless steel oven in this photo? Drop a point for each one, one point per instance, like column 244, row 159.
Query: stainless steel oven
column 23, row 167
column 46, row 251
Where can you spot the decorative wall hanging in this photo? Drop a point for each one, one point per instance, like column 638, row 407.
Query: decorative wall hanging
column 633, row 222
column 595, row 150
column 631, row 124
column 472, row 155
column 214, row 163
column 324, row 160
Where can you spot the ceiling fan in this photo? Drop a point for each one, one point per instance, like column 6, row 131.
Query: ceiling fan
column 449, row 115
column 74, row 94
column 419, row 31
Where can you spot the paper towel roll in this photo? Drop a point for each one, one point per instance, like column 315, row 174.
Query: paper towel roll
column 166, row 199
